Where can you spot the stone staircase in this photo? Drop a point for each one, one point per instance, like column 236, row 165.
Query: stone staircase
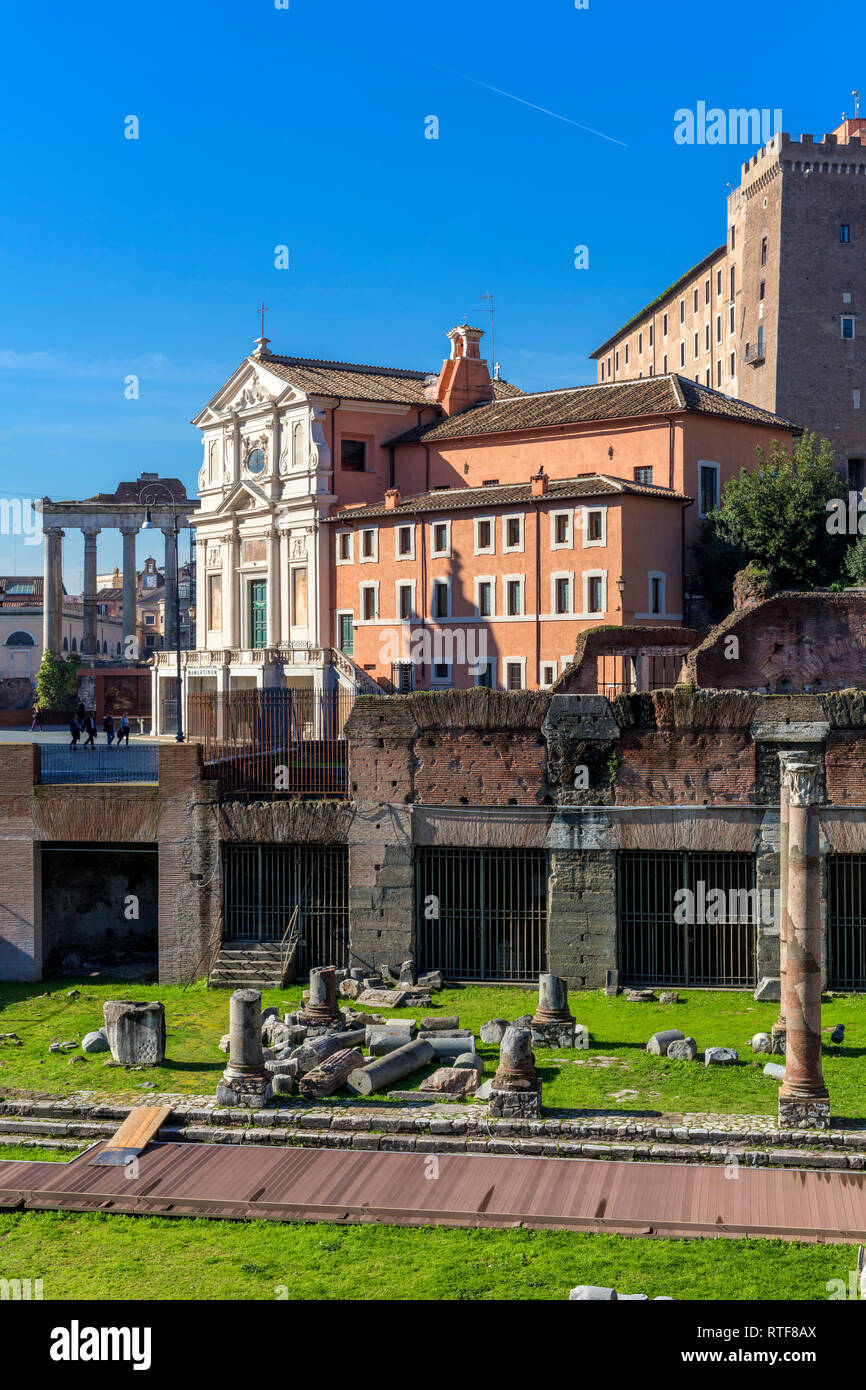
column 247, row 965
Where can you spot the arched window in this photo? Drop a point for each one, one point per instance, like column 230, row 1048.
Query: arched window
column 66, row 644
column 118, row 649
column 20, row 639
column 74, row 645
column 297, row 444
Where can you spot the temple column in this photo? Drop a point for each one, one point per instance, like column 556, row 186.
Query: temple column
column 230, row 609
column 170, row 623
column 803, row 1099
column 88, row 640
column 52, row 591
column 274, row 604
column 130, row 606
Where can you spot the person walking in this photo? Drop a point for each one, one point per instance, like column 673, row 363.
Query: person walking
column 108, row 726
column 90, row 730
column 75, row 731
column 37, row 719
column 81, row 713
column 123, row 730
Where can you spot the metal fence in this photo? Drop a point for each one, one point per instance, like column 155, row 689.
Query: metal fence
column 617, row 675
column 273, row 743
column 137, row 763
column 657, row 943
column 846, row 921
column 264, row 884
column 481, row 914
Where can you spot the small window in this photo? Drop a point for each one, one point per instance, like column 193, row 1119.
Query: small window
column 664, row 325
column 485, row 598
column 657, row 593
column 718, row 374
column 696, row 301
column 644, row 475
column 697, row 345
column 562, row 595
column 485, row 677
column 440, row 598
column 718, row 328
column 353, row 455
column 594, row 590
column 762, row 288
column 405, row 542
column 548, row 672
column 847, row 325
column 608, row 366
column 682, row 354
column 441, row 671
column 405, row 604
column 369, row 544
column 665, row 365
column 490, row 482
column 651, row 334
column 707, row 338
column 640, row 343
column 512, row 532
column 844, row 233
column 708, row 488
column 616, row 359
column 594, row 527
column 733, row 365
column 514, row 675
column 682, row 311
column 733, row 281
column 403, row 677
column 719, row 283
column 484, row 536
column 440, row 538
column 733, row 238
column 732, row 325
column 513, row 598
column 626, row 354
column 344, row 547
column 707, row 292
column 560, row 530
column 369, row 603
column 763, row 250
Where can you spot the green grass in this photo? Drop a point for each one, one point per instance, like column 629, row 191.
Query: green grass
column 197, row 1017
column 97, row 1256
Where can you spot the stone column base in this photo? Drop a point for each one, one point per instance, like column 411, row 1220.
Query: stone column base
column 515, row 1105
column 777, row 1037
column 558, row 1034
column 797, row 1113
column 254, row 1092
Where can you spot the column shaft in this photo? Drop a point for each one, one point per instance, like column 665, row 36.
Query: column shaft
column 273, row 636
column 170, row 589
column 88, row 640
column 130, row 607
column 230, row 612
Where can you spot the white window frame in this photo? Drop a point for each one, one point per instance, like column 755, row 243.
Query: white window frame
column 440, row 680
column 587, row 576
column 443, row 581
column 513, row 661
column 708, row 463
column 404, row 584
column 602, row 542
column 554, row 579
column 551, row 666
column 566, row 544
column 848, row 318
column 662, row 578
column 410, row 554
column 485, row 549
column 513, row 549
column 368, row 559
column 351, row 556
column 514, row 579
column 440, row 554
column 374, row 585
column 491, row 580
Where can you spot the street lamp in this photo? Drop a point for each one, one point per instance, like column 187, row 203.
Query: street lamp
column 148, row 498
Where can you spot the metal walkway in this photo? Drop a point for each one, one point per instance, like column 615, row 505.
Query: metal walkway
column 649, row 1199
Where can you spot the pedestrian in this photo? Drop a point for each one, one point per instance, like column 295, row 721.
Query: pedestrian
column 37, row 718
column 75, row 731
column 123, row 731
column 81, row 713
column 90, row 730
column 108, row 726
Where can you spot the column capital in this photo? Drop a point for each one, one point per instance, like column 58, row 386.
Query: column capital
column 90, row 532
column 131, row 528
column 801, row 781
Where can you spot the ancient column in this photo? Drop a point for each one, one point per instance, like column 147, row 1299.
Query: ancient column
column 786, row 756
column 516, row 1089
column 273, row 542
column 246, row 1080
column 803, row 1099
column 322, row 1007
column 52, row 590
column 170, row 590
column 88, row 640
column 552, row 1023
column 130, row 580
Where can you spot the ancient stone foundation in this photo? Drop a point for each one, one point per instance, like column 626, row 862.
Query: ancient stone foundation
column 516, row 1089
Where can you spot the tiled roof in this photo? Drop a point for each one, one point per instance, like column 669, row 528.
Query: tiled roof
column 660, row 299
column 31, row 584
column 460, row 498
column 360, row 382
column 652, row 395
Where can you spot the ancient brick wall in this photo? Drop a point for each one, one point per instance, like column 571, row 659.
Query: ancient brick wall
column 790, row 642
column 189, row 877
column 20, row 870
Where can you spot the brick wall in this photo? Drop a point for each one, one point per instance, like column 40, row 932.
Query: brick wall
column 20, row 870
column 189, row 878
column 790, row 642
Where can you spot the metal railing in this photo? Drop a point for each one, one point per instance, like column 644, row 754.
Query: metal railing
column 481, row 914
column 287, row 895
column 137, row 763
column 657, row 943
column 618, row 675
column 273, row 743
column 846, row 921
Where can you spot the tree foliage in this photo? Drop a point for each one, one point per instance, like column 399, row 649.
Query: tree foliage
column 57, row 681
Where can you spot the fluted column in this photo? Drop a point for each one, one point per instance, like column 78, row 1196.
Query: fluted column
column 130, row 607
column 803, row 1099
column 273, row 637
column 170, row 590
column 88, row 640
column 52, row 590
column 231, row 636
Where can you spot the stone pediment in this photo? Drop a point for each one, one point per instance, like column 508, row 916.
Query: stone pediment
column 243, row 497
column 249, row 388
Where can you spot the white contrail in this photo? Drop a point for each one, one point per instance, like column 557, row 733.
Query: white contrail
column 524, row 102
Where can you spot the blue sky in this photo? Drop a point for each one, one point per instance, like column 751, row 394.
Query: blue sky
column 305, row 127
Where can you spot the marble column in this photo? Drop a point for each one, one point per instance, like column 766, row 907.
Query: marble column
column 88, row 640
column 170, row 590
column 786, row 757
column 52, row 591
column 231, row 636
column 130, row 583
column 803, row 1099
column 273, row 635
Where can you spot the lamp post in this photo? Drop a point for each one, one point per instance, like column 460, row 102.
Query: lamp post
column 149, row 497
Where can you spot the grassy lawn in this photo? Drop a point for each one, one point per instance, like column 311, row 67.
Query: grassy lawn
column 197, row 1017
column 96, row 1256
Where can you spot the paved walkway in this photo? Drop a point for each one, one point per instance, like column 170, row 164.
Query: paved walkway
column 222, row 1180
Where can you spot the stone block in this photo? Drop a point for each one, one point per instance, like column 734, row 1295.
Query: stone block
column 684, row 1050
column 493, row 1031
column 768, row 989
column 669, row 996
column 95, row 1042
column 591, row 1293
column 640, row 996
column 135, row 1032
column 774, row 1071
column 720, row 1056
column 762, row 1042
column 452, row 1081
column 660, row 1042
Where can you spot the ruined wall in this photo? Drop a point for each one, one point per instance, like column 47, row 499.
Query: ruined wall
column 20, row 871
column 189, row 872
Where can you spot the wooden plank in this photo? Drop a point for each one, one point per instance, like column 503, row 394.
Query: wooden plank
column 140, row 1126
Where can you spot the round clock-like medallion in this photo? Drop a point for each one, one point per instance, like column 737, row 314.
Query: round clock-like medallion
column 256, row 461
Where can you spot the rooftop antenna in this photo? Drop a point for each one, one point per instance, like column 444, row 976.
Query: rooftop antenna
column 492, row 312
column 856, row 95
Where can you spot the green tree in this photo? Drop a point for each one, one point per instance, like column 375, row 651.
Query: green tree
column 855, row 562
column 775, row 515
column 57, row 681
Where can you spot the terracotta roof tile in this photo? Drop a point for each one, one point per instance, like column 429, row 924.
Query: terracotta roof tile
column 360, row 382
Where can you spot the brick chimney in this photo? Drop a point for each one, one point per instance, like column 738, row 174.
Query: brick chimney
column 539, row 483
column 393, row 498
column 464, row 379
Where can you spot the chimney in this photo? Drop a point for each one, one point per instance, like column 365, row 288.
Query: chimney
column 464, row 379
column 539, row 483
column 393, row 498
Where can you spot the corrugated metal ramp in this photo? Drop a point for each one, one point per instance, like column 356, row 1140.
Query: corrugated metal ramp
column 224, row 1180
